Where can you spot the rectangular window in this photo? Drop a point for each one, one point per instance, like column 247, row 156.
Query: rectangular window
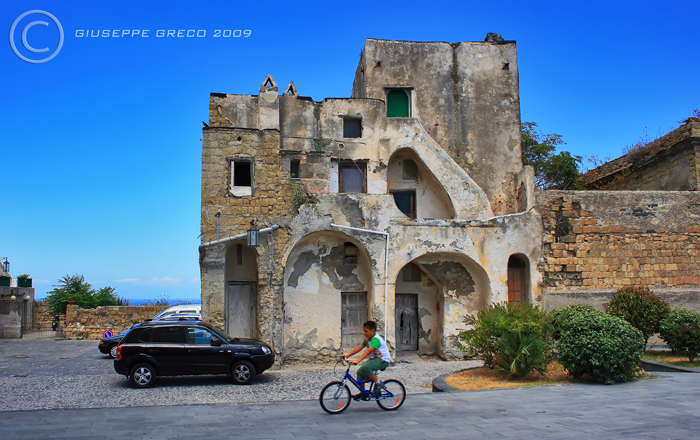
column 352, row 177
column 350, row 254
column 352, row 128
column 406, row 202
column 172, row 335
column 242, row 177
column 239, row 254
column 294, row 168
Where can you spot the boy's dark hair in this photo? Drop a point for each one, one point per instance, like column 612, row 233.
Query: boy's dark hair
column 370, row 325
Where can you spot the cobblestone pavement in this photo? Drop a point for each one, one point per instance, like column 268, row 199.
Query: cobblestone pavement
column 661, row 408
column 42, row 374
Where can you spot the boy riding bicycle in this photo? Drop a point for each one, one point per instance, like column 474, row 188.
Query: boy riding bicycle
column 378, row 353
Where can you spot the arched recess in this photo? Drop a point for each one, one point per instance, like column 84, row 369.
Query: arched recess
column 518, row 279
column 328, row 295
column 241, row 290
column 417, row 311
column 461, row 287
column 416, row 190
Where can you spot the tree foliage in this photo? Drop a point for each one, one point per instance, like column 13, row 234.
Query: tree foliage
column 552, row 171
column 640, row 307
column 75, row 288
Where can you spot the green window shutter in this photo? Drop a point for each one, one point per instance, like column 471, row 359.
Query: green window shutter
column 397, row 104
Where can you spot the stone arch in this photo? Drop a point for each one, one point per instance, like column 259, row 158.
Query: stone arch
column 518, row 284
column 291, row 90
column 415, row 188
column 241, row 290
column 327, row 274
column 462, row 287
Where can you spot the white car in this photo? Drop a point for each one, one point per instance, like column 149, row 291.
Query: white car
column 189, row 309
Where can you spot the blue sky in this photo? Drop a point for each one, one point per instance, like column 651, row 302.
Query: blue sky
column 100, row 152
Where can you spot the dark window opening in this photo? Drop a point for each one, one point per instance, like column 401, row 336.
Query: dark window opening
column 352, row 128
column 294, row 168
column 239, row 254
column 351, row 252
column 406, row 202
column 242, row 173
column 352, row 177
column 397, row 104
column 411, row 273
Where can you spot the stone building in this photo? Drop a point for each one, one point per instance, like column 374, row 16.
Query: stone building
column 670, row 163
column 406, row 203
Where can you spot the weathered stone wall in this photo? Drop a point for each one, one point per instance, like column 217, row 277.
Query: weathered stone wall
column 91, row 323
column 42, row 319
column 600, row 241
column 465, row 95
column 10, row 319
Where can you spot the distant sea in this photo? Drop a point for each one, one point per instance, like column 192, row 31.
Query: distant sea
column 171, row 301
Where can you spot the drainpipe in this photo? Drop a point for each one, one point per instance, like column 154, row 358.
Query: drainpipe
column 236, row 237
column 386, row 273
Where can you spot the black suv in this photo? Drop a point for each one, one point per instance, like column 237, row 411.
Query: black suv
column 187, row 347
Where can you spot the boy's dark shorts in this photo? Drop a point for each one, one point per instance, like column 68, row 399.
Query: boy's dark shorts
column 370, row 367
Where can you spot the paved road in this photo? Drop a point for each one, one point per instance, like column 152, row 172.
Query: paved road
column 662, row 408
column 48, row 374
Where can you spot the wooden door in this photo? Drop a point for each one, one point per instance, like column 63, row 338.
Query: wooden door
column 515, row 285
column 406, row 312
column 353, row 315
column 241, row 318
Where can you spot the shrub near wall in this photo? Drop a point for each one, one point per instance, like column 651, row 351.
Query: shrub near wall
column 91, row 323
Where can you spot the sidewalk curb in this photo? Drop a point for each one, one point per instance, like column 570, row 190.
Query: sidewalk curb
column 666, row 368
column 440, row 384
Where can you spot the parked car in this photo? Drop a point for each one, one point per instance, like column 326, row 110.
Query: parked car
column 186, row 347
column 195, row 309
column 109, row 345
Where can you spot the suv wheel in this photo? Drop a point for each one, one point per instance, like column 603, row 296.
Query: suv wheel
column 242, row 373
column 113, row 351
column 143, row 375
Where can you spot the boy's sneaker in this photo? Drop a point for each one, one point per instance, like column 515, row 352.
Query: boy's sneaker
column 377, row 389
column 357, row 396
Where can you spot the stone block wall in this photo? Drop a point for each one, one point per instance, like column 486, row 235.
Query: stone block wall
column 91, row 323
column 42, row 318
column 600, row 241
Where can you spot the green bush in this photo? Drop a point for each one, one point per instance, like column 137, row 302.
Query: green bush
column 640, row 307
column 672, row 330
column 561, row 316
column 490, row 325
column 605, row 347
column 521, row 353
column 75, row 288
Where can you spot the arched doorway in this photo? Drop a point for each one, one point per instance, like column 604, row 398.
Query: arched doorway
column 240, row 300
column 328, row 295
column 518, row 285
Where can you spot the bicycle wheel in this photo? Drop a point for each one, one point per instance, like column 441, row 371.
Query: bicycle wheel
column 393, row 396
column 335, row 398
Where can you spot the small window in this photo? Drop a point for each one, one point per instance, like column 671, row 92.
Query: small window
column 239, row 254
column 294, row 168
column 352, row 128
column 242, row 177
column 411, row 273
column 398, row 103
column 196, row 335
column 352, row 177
column 351, row 253
column 406, row 202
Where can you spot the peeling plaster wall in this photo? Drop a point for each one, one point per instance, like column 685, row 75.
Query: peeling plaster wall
column 432, row 200
column 315, row 276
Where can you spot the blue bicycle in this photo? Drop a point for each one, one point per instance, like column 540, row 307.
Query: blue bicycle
column 336, row 397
